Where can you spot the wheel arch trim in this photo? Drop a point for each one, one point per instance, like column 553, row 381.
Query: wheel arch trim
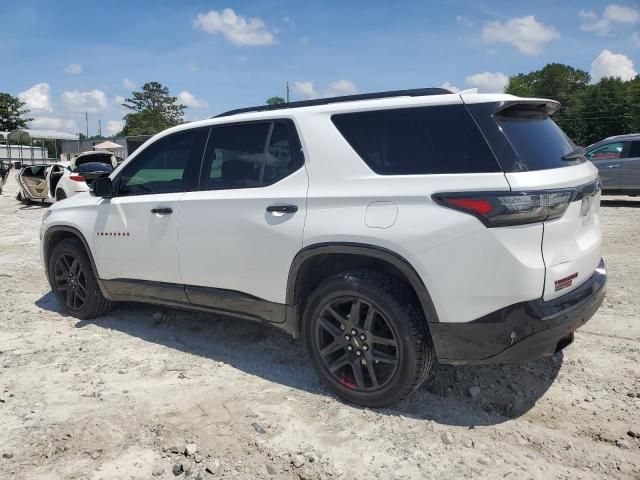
column 46, row 239
column 367, row 250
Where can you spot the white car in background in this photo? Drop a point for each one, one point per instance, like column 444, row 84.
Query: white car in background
column 64, row 179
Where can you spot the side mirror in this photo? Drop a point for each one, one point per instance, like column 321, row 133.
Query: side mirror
column 101, row 187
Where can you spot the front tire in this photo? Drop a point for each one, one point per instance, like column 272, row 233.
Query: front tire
column 73, row 282
column 367, row 338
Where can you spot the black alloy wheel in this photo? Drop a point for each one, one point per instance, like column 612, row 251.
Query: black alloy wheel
column 74, row 282
column 367, row 337
column 71, row 281
column 357, row 344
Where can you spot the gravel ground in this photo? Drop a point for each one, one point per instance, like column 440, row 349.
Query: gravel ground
column 126, row 395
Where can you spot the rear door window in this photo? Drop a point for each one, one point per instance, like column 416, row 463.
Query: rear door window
column 537, row 139
column 416, row 141
column 634, row 150
column 249, row 155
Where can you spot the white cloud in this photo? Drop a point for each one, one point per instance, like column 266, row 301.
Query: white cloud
column 613, row 14
column 118, row 99
column 341, row 87
column 491, row 82
column 338, row 88
column 53, row 123
column 635, row 39
column 126, row 83
column 114, row 126
column 525, row 33
column 464, row 21
column 305, row 89
column 73, row 69
column 90, row 101
column 237, row 29
column 188, row 99
column 37, row 97
column 609, row 64
column 450, row 87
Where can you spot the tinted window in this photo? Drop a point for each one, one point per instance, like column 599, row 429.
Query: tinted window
column 97, row 157
column 248, row 155
column 440, row 139
column 634, row 150
column 610, row 151
column 539, row 142
column 160, row 168
column 94, row 167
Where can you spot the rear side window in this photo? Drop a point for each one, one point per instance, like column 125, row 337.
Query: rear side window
column 537, row 140
column 248, row 155
column 94, row 167
column 414, row 141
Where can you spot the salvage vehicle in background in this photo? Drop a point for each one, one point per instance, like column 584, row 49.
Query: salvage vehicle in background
column 386, row 230
column 50, row 183
column 618, row 161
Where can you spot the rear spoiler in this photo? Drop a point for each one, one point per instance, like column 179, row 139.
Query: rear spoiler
column 525, row 108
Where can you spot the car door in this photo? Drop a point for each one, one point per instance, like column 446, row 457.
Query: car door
column 607, row 159
column 630, row 167
column 239, row 233
column 136, row 230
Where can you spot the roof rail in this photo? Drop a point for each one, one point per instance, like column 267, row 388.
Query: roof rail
column 416, row 92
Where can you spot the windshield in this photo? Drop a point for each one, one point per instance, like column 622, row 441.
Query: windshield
column 538, row 140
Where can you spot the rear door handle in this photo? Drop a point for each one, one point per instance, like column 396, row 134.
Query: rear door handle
column 613, row 166
column 282, row 208
column 162, row 211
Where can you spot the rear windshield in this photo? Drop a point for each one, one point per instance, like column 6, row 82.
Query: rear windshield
column 94, row 167
column 105, row 158
column 413, row 141
column 538, row 141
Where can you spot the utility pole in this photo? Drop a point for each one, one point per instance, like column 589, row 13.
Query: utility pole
column 287, row 92
column 100, row 128
column 86, row 122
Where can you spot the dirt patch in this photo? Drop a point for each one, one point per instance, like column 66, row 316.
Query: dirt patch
column 123, row 396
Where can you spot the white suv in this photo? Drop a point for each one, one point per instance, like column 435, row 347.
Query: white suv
column 387, row 230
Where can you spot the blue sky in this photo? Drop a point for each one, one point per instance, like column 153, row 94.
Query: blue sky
column 67, row 57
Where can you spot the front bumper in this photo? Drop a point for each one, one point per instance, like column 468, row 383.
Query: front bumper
column 524, row 331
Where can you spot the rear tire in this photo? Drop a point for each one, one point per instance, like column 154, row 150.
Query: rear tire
column 73, row 282
column 60, row 195
column 367, row 338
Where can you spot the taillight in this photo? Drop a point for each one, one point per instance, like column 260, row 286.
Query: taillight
column 76, row 178
column 500, row 209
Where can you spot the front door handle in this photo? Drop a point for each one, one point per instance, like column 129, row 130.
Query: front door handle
column 613, row 166
column 162, row 211
column 282, row 209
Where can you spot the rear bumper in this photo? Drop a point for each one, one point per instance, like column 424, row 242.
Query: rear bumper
column 524, row 331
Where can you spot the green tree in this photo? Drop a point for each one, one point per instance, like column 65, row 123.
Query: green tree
column 12, row 113
column 153, row 110
column 275, row 101
column 559, row 82
column 607, row 110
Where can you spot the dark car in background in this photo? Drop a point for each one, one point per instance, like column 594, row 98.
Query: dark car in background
column 618, row 161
